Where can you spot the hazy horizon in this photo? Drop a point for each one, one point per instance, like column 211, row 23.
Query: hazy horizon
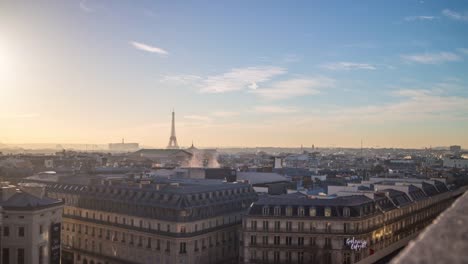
column 241, row 73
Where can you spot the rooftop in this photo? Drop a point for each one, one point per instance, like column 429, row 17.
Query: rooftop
column 26, row 201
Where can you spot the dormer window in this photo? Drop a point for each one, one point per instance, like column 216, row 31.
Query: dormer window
column 346, row 212
column 312, row 211
column 266, row 210
column 300, row 211
column 327, row 211
column 289, row 211
column 277, row 210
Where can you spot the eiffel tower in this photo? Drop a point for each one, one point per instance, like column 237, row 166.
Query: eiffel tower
column 173, row 140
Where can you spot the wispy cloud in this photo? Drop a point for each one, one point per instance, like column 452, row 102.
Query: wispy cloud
column 85, row 7
column 420, row 18
column 455, row 15
column 294, row 88
column 291, row 58
column 181, row 79
column 432, row 58
column 335, row 66
column 148, row 48
column 239, row 79
column 463, row 51
column 273, row 109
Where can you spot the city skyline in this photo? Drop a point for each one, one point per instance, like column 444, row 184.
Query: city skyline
column 237, row 74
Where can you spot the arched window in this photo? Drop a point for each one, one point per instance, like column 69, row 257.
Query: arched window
column 312, row 211
column 289, row 211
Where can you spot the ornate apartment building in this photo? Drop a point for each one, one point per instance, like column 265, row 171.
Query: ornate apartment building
column 167, row 221
column 30, row 225
column 349, row 227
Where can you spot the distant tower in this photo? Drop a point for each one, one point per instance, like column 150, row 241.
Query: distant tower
column 173, row 140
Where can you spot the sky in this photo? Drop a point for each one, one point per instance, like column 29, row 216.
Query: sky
column 237, row 73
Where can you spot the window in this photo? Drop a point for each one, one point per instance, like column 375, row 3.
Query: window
column 276, row 240
column 254, row 225
column 21, row 231
column 265, row 225
column 182, row 248
column 277, row 225
column 6, row 231
column 301, row 226
column 300, row 241
column 288, row 226
column 148, row 245
column 289, row 211
column 346, row 258
column 253, row 255
column 41, row 229
column 346, row 212
column 277, row 211
column 300, row 257
column 357, row 257
column 168, row 246
column 328, row 242
column 288, row 256
column 266, row 210
column 328, row 211
column 41, row 255
column 196, row 245
column 300, row 211
column 265, row 240
column 288, row 240
column 5, row 256
column 312, row 211
column 276, row 257
column 346, row 227
column 313, row 241
column 253, row 240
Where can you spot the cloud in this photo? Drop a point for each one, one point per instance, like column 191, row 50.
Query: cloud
column 148, row 48
column 455, row 15
column 420, row 18
column 85, row 7
column 336, row 66
column 291, row 58
column 275, row 109
column 239, row 79
column 432, row 58
column 463, row 51
column 415, row 105
column 181, row 79
column 294, row 88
